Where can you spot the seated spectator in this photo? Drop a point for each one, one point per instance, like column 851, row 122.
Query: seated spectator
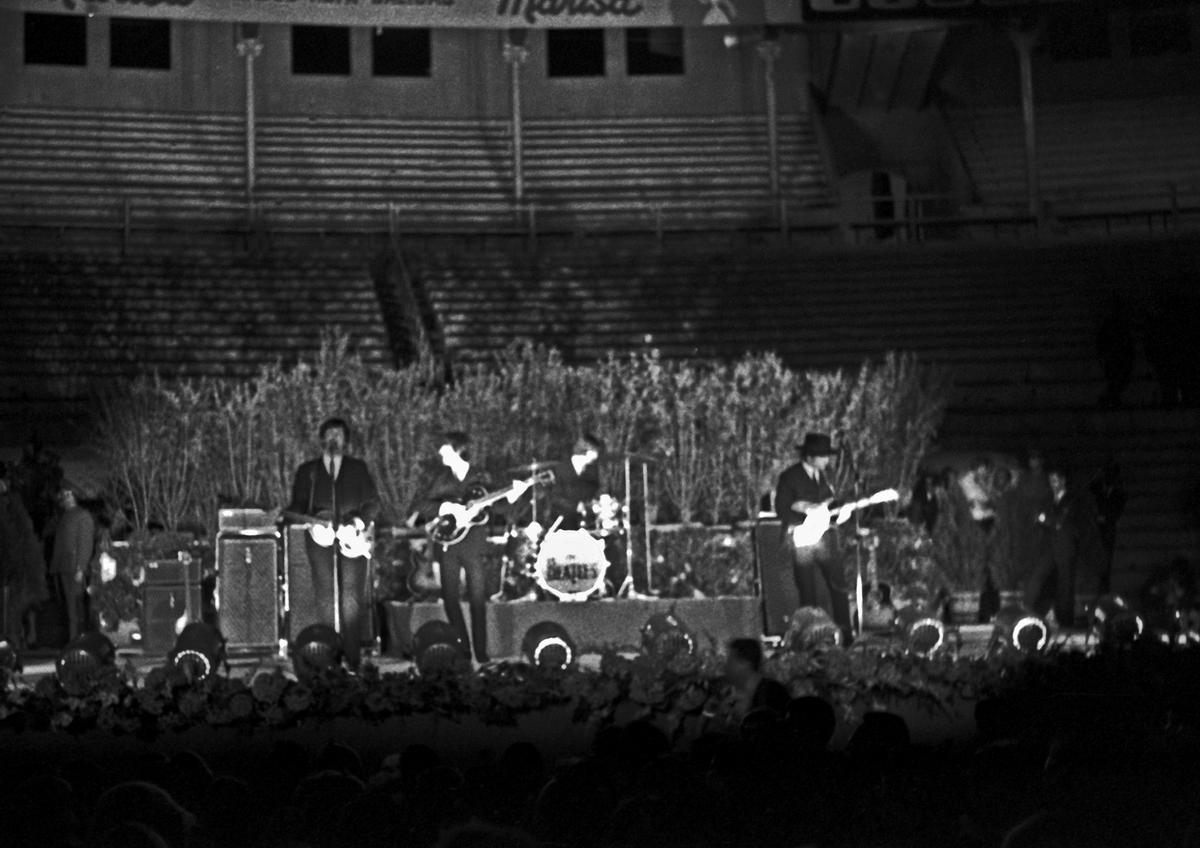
column 812, row 722
column 146, row 804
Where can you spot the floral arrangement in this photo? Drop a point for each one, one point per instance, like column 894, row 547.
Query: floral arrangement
column 175, row 450
column 671, row 688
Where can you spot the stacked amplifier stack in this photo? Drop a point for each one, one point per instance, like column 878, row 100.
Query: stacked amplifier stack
column 248, row 601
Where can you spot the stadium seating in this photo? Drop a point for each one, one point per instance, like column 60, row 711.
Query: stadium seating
column 1094, row 156
column 1017, row 323
column 73, row 321
column 77, row 167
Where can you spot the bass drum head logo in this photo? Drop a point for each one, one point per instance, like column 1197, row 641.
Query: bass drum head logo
column 571, row 565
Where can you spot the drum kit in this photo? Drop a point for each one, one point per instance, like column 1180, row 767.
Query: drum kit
column 542, row 562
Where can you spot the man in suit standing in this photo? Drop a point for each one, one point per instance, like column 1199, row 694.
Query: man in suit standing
column 803, row 488
column 74, row 542
column 1068, row 542
column 337, row 488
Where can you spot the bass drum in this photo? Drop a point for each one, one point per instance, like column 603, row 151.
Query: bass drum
column 571, row 565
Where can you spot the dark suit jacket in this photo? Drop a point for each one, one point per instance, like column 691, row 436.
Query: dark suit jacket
column 570, row 490
column 796, row 485
column 313, row 491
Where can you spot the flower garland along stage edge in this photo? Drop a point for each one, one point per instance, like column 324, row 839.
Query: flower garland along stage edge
column 670, row 690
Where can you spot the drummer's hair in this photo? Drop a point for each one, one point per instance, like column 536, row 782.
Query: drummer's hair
column 592, row 441
column 458, row 440
column 747, row 650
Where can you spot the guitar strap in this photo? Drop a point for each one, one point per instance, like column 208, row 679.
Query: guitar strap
column 312, row 488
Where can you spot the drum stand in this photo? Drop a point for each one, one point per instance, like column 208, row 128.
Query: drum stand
column 626, row 589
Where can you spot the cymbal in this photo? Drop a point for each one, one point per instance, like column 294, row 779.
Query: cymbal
column 632, row 457
column 532, row 468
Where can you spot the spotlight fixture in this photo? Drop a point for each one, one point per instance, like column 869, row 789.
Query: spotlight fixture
column 548, row 645
column 437, row 649
column 811, row 628
column 1019, row 628
column 82, row 661
column 1113, row 622
column 317, row 648
column 665, row 636
column 199, row 650
column 922, row 630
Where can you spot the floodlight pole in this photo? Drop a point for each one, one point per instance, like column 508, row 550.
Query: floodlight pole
column 250, row 49
column 1024, row 40
column 515, row 55
column 768, row 51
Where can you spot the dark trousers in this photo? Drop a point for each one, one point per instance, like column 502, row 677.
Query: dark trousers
column 69, row 593
column 352, row 587
column 466, row 556
column 1052, row 583
column 821, row 582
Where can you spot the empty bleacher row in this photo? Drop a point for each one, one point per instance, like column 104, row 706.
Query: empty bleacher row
column 72, row 322
column 1018, row 324
column 80, row 167
column 1093, row 156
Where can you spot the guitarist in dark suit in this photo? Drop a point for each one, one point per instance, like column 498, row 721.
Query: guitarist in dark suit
column 801, row 488
column 457, row 481
column 337, row 488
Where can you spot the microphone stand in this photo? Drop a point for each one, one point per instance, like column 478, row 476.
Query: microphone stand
column 859, row 594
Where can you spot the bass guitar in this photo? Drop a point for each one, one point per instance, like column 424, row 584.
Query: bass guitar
column 352, row 542
column 819, row 518
column 454, row 520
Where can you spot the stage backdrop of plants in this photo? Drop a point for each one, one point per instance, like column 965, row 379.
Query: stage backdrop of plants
column 721, row 431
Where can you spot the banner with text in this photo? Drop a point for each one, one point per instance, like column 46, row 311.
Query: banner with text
column 498, row 14
column 855, row 10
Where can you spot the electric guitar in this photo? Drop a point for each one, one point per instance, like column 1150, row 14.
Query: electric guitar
column 352, row 542
column 818, row 519
column 454, row 520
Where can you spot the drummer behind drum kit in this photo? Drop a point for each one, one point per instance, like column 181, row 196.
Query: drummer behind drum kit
column 569, row 565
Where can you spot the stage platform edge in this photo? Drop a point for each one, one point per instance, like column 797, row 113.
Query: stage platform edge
column 592, row 624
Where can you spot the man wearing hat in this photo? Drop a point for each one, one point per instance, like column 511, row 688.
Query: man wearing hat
column 817, row 569
column 74, row 540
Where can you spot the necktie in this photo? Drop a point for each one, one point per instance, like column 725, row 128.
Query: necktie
column 331, row 466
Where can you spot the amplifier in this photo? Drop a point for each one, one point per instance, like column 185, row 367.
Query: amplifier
column 302, row 606
column 166, row 610
column 777, row 586
column 245, row 519
column 172, row 572
column 248, row 590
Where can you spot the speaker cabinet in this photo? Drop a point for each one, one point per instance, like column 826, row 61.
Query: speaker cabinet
column 302, row 606
column 248, row 590
column 166, row 610
column 777, row 586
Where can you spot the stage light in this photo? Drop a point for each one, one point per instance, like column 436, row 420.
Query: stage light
column 438, row 649
column 199, row 650
column 811, row 628
column 1019, row 628
column 316, row 649
column 10, row 660
column 922, row 630
column 1113, row 622
column 548, row 645
column 82, row 660
column 665, row 636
